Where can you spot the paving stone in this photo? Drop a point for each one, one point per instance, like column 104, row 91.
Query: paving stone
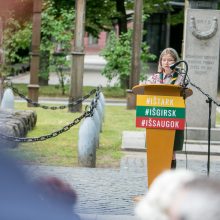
column 112, row 191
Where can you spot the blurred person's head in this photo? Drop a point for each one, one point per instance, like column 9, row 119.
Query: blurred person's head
column 157, row 201
column 55, row 189
column 199, row 199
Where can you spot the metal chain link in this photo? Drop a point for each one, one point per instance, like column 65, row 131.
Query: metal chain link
column 89, row 110
column 87, row 113
column 36, row 104
column 95, row 100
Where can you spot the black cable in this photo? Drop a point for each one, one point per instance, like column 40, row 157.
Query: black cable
column 184, row 72
column 186, row 154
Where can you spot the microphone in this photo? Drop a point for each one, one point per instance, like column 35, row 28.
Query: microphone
column 173, row 66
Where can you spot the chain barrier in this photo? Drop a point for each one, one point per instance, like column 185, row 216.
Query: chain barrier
column 89, row 110
column 95, row 100
column 36, row 104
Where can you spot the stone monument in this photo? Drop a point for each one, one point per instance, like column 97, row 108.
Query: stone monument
column 201, row 52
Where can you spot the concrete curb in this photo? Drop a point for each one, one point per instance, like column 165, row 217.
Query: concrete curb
column 135, row 141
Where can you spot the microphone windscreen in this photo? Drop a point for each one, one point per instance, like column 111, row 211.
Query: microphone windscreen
column 173, row 66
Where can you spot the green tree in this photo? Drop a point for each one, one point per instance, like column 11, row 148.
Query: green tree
column 17, row 38
column 60, row 65
column 101, row 15
column 58, row 20
column 56, row 28
column 118, row 54
column 58, row 15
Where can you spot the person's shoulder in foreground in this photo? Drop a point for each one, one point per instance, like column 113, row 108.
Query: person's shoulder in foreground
column 181, row 194
column 157, row 201
column 21, row 199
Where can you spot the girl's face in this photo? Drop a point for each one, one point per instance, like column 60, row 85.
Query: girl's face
column 166, row 61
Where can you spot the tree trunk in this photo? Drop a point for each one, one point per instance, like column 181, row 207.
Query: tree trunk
column 44, row 68
column 122, row 20
column 124, row 81
column 122, row 28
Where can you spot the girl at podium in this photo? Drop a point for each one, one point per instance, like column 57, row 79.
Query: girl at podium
column 166, row 75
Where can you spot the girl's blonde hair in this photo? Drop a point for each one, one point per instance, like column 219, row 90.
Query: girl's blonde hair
column 166, row 51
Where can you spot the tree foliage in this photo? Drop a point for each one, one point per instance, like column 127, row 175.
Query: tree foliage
column 104, row 15
column 17, row 40
column 58, row 24
column 118, row 54
column 56, row 29
column 155, row 6
column 16, row 37
column 58, row 19
column 177, row 18
column 101, row 15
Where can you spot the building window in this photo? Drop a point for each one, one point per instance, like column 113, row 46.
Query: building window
column 156, row 33
column 92, row 40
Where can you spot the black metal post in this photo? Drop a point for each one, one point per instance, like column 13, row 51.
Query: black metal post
column 209, row 101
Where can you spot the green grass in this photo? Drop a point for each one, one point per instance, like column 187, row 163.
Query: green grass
column 62, row 150
column 55, row 91
column 218, row 119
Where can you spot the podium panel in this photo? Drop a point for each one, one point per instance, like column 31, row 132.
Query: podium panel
column 159, row 151
column 162, row 107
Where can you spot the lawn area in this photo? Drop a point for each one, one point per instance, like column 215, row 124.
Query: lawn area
column 62, row 150
column 218, row 119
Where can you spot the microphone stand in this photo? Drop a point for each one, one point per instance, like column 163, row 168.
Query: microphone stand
column 186, row 71
column 181, row 72
column 209, row 101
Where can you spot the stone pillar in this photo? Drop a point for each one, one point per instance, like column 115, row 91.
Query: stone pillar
column 201, row 52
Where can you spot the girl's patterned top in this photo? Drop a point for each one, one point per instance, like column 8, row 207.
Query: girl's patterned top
column 160, row 78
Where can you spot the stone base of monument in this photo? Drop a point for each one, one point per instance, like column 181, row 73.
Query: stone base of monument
column 201, row 134
column 16, row 123
column 196, row 141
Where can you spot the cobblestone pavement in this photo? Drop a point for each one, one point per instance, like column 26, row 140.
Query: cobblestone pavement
column 101, row 191
column 111, row 191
